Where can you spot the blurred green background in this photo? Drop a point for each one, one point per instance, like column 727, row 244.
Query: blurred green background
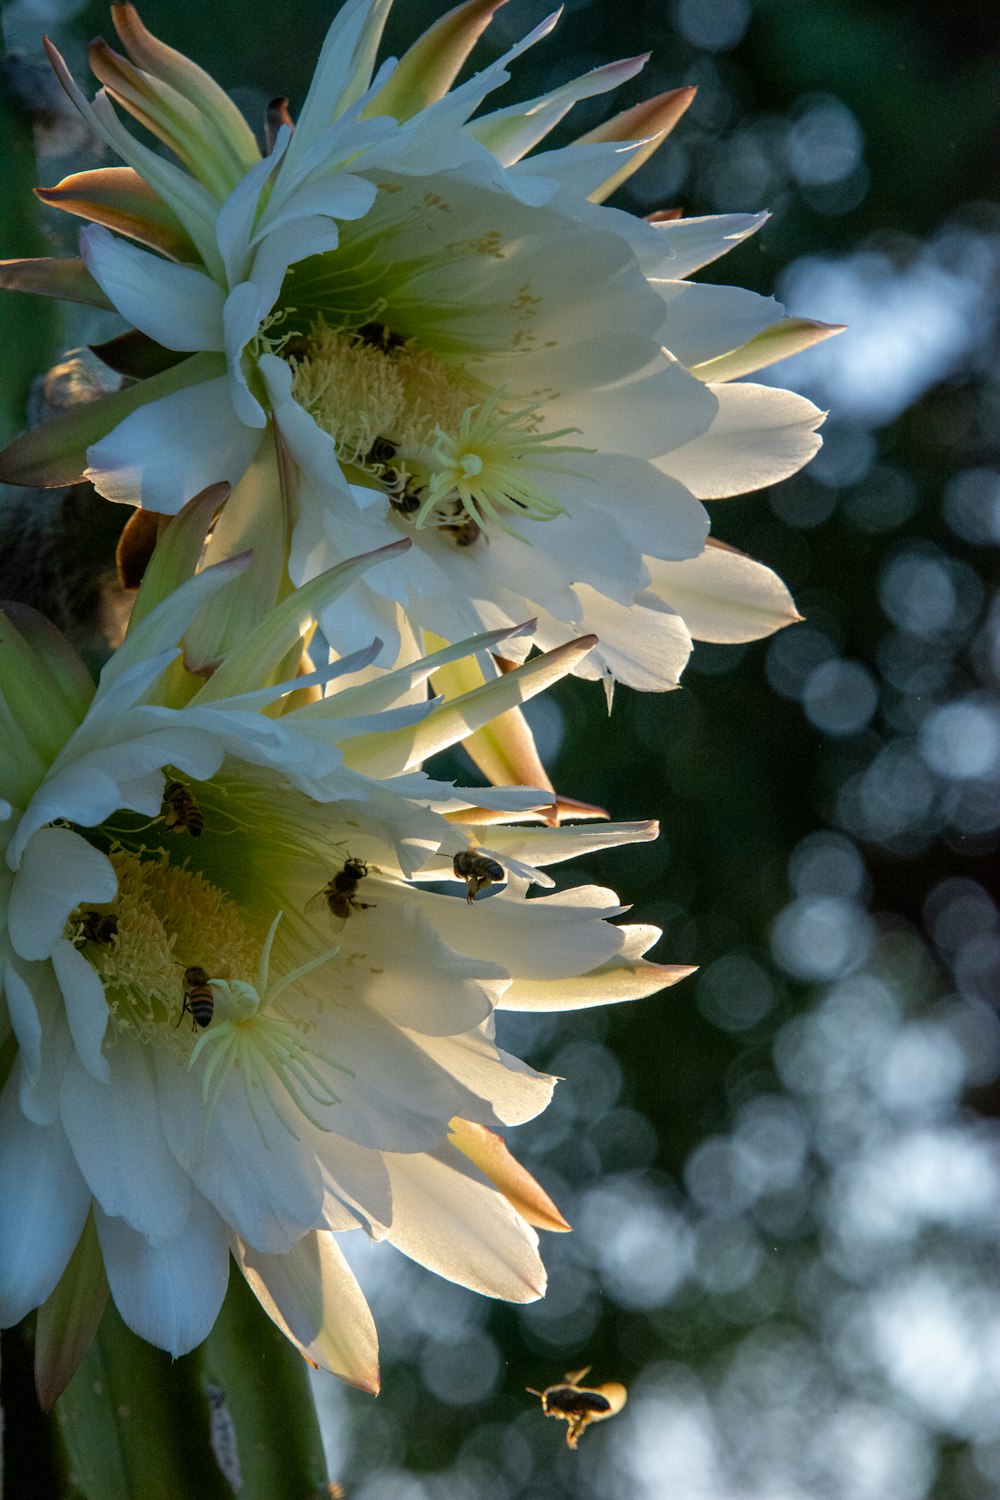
column 784, row 1175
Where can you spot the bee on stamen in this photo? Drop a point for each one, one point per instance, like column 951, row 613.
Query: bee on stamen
column 199, row 998
column 95, row 927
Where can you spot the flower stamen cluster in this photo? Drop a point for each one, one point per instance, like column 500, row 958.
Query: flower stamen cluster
column 441, row 449
column 167, row 918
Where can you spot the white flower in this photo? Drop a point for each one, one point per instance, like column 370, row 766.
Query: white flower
column 454, row 341
column 198, row 1062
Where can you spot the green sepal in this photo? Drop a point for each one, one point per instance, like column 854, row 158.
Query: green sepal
column 256, row 661
column 780, row 341
column 120, row 199
column 32, row 331
column 52, row 276
column 427, row 71
column 55, row 453
column 264, row 1383
column 136, row 1424
column 68, row 1320
column 136, row 355
column 393, row 751
column 504, row 749
column 648, row 123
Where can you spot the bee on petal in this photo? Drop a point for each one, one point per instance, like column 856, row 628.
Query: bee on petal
column 339, row 895
column 478, row 870
column 578, row 1405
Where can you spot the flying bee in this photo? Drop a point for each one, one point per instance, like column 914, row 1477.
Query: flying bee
column 180, row 811
column 199, row 997
column 95, row 927
column 477, row 870
column 578, row 1405
column 340, row 893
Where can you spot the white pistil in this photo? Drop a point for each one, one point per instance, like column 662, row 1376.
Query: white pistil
column 489, row 464
column 266, row 1049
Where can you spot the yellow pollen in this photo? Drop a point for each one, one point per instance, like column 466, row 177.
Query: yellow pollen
column 168, row 919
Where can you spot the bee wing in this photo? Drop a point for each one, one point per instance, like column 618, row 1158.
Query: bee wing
column 615, row 1394
column 317, row 902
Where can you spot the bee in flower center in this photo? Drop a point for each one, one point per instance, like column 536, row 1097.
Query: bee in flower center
column 95, row 927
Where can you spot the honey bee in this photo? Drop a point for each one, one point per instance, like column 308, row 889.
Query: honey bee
column 199, row 997
column 463, row 533
column 404, row 502
column 477, row 870
column 180, row 811
column 578, row 1405
column 95, row 927
column 380, row 336
column 339, row 894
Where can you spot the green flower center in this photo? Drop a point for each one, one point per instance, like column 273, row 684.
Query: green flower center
column 448, row 454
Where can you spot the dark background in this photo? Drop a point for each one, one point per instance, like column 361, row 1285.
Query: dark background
column 783, row 1174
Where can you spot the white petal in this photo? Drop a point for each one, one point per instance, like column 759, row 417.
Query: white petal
column 178, row 306
column 550, row 846
column 655, row 409
column 245, row 308
column 724, row 596
column 235, row 220
column 165, row 453
column 685, row 245
column 442, row 994
column 118, row 1141
column 295, row 241
column 659, row 516
column 342, row 71
column 396, row 1096
column 760, row 435
column 59, row 870
column 704, row 321
column 35, row 1005
column 547, row 936
column 170, row 1296
column 448, row 1217
column 643, row 645
column 356, row 1185
column 86, row 1007
column 43, row 1205
column 312, row 1296
column 340, row 196
column 265, row 1186
column 503, row 1089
